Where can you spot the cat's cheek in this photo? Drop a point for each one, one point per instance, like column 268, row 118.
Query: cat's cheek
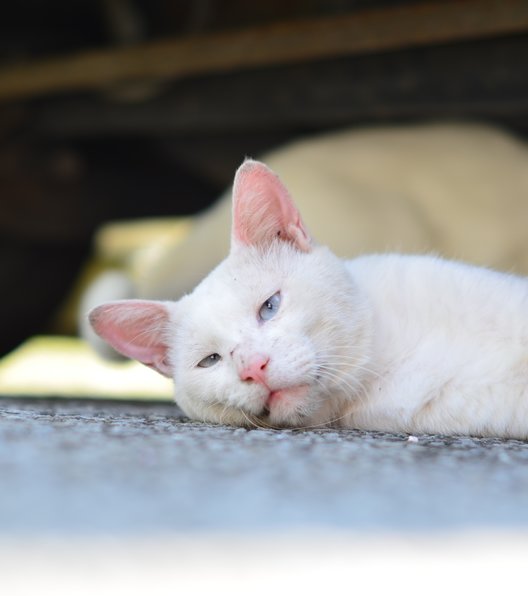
column 203, row 395
column 213, row 413
column 183, row 402
column 184, row 390
column 197, row 410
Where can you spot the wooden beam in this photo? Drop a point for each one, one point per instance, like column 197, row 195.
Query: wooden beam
column 479, row 79
column 284, row 43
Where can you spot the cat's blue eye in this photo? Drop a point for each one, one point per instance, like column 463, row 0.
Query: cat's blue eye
column 210, row 360
column 269, row 309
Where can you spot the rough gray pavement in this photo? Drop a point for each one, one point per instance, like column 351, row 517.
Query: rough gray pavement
column 98, row 468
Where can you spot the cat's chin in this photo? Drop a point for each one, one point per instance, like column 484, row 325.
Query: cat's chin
column 291, row 407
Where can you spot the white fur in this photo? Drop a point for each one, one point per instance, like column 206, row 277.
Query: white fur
column 321, row 317
column 404, row 343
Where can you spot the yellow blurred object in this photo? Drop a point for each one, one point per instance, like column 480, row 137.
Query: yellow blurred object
column 127, row 245
column 67, row 367
column 118, row 242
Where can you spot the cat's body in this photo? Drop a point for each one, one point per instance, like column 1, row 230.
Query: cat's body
column 284, row 333
column 450, row 348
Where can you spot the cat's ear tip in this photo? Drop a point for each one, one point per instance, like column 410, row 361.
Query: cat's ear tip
column 101, row 309
column 94, row 314
column 252, row 171
column 250, row 164
column 97, row 315
column 101, row 312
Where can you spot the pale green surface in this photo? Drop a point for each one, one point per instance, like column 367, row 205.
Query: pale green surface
column 67, row 367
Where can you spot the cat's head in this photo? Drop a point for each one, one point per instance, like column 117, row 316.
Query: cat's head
column 276, row 335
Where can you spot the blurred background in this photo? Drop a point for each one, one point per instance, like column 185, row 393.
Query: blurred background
column 131, row 109
column 114, row 109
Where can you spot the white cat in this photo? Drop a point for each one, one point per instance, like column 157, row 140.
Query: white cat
column 285, row 334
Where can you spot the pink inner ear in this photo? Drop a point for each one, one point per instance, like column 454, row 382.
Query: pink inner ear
column 136, row 329
column 263, row 209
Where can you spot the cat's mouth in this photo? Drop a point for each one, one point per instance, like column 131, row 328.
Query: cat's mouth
column 283, row 403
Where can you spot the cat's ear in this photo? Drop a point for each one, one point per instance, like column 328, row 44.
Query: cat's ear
column 263, row 209
column 137, row 329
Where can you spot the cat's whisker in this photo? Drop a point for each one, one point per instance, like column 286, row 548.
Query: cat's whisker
column 336, row 373
column 352, row 372
column 224, row 412
column 354, row 386
column 349, row 362
column 331, row 422
column 318, row 381
column 250, row 420
column 257, row 422
column 321, row 425
column 335, row 356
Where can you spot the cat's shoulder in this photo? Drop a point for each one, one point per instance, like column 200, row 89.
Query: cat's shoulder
column 393, row 263
column 429, row 273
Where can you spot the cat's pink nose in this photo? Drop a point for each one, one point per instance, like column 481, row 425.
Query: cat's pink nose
column 254, row 369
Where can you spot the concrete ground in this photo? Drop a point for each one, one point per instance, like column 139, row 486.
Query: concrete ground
column 124, row 484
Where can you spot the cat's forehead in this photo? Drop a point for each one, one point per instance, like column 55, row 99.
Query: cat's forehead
column 238, row 285
column 248, row 270
column 237, row 280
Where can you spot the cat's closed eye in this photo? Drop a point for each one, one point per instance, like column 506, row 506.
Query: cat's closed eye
column 270, row 307
column 210, row 360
